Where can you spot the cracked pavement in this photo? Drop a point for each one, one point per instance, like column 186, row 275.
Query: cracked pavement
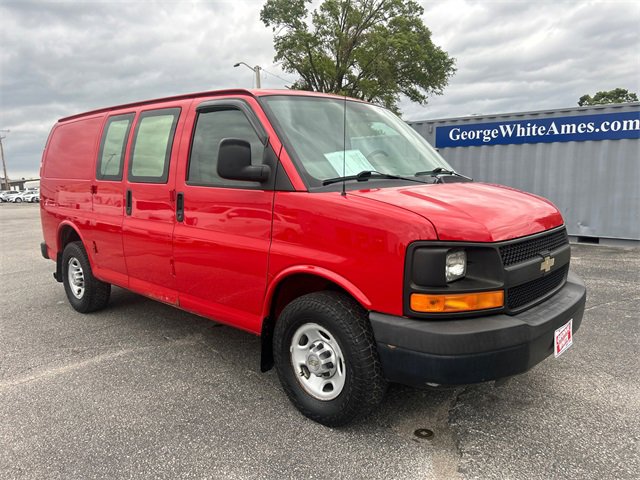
column 142, row 390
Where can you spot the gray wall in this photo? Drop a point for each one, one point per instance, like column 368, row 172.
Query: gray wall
column 595, row 184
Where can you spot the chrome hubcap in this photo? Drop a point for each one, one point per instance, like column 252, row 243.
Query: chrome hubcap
column 76, row 277
column 318, row 361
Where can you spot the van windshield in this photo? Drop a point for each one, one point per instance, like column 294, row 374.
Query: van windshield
column 374, row 139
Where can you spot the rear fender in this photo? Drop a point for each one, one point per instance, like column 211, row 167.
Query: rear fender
column 61, row 243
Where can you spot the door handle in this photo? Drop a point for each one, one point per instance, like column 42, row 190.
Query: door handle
column 129, row 202
column 180, row 207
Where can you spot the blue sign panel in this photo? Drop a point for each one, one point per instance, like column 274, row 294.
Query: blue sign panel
column 606, row 126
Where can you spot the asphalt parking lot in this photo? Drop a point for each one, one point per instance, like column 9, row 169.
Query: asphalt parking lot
column 142, row 390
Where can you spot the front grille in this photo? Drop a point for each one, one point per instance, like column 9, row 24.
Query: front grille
column 531, row 291
column 527, row 249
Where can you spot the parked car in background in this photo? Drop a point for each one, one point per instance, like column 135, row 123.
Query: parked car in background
column 26, row 196
column 31, row 196
column 6, row 195
column 19, row 198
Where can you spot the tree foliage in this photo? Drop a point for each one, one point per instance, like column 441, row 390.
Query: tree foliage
column 375, row 50
column 617, row 95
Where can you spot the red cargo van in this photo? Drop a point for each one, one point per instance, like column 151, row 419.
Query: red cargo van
column 325, row 225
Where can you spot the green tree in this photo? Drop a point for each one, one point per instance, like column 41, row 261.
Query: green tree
column 617, row 95
column 375, row 50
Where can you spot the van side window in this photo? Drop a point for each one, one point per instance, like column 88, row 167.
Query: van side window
column 152, row 142
column 112, row 147
column 211, row 127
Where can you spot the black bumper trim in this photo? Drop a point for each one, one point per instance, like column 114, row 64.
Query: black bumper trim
column 474, row 349
column 43, row 250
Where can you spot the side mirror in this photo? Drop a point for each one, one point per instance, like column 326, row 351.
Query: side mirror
column 234, row 162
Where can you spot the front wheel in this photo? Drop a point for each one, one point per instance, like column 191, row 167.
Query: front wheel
column 85, row 292
column 326, row 358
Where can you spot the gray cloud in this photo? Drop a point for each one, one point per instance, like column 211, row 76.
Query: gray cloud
column 517, row 56
column 61, row 58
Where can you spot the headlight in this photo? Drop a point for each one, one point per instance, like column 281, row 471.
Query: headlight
column 455, row 265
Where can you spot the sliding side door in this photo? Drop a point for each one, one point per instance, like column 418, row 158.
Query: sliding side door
column 150, row 202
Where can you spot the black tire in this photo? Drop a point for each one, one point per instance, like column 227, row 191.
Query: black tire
column 96, row 293
column 18, row 200
column 364, row 383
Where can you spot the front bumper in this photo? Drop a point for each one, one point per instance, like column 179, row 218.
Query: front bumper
column 472, row 350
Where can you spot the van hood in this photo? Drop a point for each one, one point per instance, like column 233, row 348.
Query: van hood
column 472, row 212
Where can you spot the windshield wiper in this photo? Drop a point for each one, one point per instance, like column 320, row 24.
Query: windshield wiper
column 440, row 171
column 365, row 175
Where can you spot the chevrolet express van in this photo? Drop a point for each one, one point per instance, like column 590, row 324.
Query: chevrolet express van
column 325, row 225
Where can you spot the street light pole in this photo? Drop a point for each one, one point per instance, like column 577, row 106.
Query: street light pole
column 255, row 69
column 4, row 165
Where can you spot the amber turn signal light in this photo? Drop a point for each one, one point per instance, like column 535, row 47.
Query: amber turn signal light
column 456, row 302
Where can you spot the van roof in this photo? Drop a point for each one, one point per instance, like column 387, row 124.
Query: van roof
column 231, row 91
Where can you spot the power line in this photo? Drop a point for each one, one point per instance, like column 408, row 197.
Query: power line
column 277, row 76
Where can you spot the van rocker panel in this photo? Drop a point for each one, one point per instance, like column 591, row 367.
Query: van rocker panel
column 474, row 350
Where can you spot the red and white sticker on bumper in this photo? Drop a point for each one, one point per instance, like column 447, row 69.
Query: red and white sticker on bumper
column 563, row 338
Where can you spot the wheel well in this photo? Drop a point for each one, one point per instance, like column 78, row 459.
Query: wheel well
column 288, row 290
column 66, row 235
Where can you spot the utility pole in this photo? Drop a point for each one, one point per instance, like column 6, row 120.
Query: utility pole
column 4, row 165
column 255, row 69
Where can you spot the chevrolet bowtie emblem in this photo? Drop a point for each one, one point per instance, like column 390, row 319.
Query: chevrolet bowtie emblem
column 547, row 263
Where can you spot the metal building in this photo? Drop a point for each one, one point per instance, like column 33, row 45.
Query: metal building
column 584, row 159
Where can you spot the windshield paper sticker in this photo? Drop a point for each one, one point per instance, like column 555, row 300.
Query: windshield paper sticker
column 354, row 162
column 579, row 128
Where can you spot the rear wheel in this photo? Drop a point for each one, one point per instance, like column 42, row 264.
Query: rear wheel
column 326, row 358
column 85, row 292
column 18, row 200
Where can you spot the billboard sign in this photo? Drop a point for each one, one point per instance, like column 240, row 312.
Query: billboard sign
column 579, row 128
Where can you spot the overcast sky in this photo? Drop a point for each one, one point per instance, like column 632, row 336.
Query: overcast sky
column 60, row 58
